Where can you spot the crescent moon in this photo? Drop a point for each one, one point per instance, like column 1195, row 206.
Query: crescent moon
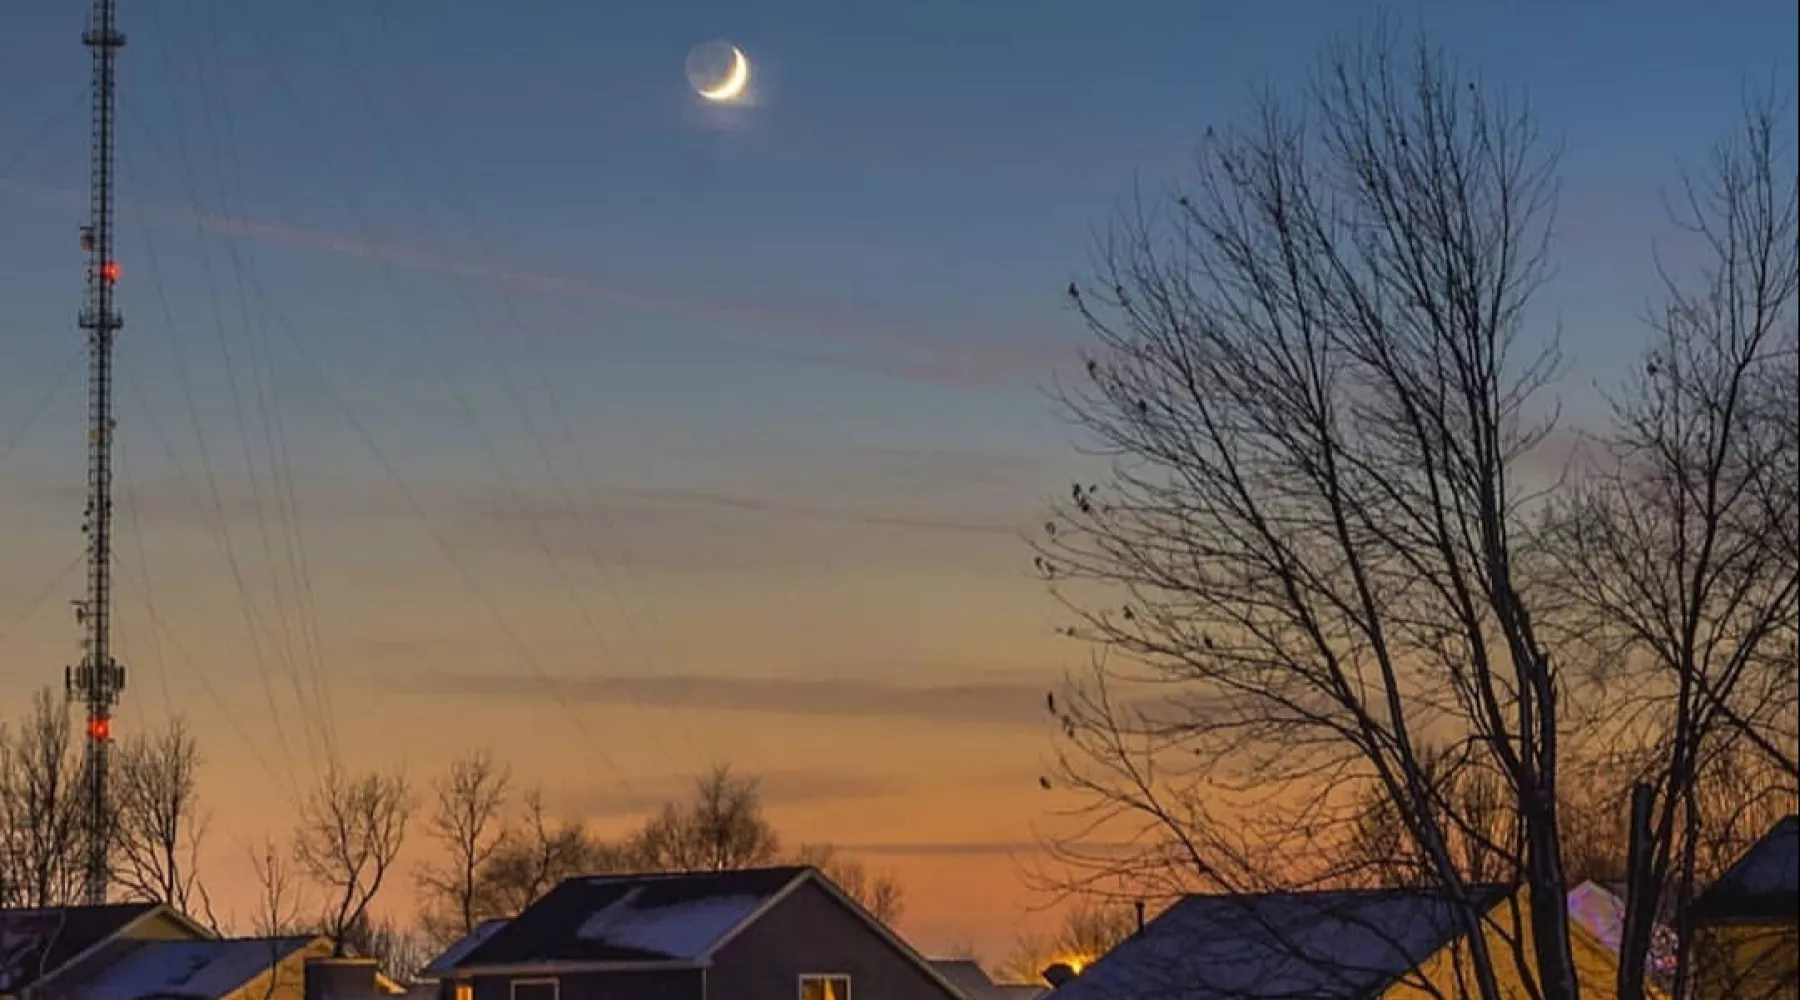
column 732, row 87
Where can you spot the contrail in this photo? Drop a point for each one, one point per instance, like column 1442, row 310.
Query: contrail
column 978, row 365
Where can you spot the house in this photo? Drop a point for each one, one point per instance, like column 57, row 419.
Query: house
column 757, row 934
column 973, row 980
column 149, row 951
column 1381, row 944
column 205, row 969
column 40, row 946
column 1747, row 924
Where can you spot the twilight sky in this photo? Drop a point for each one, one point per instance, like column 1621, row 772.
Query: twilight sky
column 481, row 389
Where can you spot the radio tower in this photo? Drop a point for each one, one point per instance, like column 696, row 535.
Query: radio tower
column 98, row 680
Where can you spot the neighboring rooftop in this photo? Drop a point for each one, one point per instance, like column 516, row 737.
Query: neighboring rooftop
column 1764, row 884
column 36, row 942
column 200, row 970
column 1347, row 945
column 632, row 918
column 969, row 977
column 442, row 965
column 1601, row 911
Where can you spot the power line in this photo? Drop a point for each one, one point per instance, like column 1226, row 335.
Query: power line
column 38, row 599
column 23, row 152
column 38, row 408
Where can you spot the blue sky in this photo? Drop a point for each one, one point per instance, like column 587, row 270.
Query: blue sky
column 505, row 243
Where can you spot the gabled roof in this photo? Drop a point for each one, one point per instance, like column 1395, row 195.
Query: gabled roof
column 200, row 970
column 633, row 919
column 442, row 965
column 1346, row 945
column 36, row 942
column 667, row 920
column 1764, row 884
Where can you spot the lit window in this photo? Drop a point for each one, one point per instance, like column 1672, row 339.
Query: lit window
column 535, row 989
column 833, row 987
column 465, row 991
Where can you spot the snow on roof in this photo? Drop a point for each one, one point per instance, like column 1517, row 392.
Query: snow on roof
column 684, row 930
column 1319, row 945
column 444, row 963
column 1601, row 912
column 631, row 918
column 23, row 941
column 198, row 969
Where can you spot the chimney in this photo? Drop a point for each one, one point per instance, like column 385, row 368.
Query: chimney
column 340, row 979
column 1058, row 974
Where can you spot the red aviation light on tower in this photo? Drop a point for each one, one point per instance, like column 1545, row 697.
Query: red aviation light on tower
column 99, row 729
column 110, row 271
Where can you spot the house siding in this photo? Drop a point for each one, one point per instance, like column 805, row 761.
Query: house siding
column 766, row 961
column 286, row 980
column 1748, row 961
column 658, row 985
column 1450, row 971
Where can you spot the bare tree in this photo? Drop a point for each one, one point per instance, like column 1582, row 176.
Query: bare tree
column 1481, row 828
column 1088, row 931
column 399, row 952
column 1678, row 554
column 157, row 825
column 280, row 907
column 1317, row 383
column 280, row 910
column 350, row 832
column 880, row 894
column 721, row 828
column 466, row 823
column 42, row 816
column 534, row 855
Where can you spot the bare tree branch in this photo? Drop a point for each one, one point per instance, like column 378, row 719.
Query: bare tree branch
column 350, row 832
column 534, row 855
column 1677, row 555
column 722, row 827
column 879, row 893
column 466, row 824
column 42, row 820
column 1316, row 382
column 158, row 826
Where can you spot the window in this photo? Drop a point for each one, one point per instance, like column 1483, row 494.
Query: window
column 822, row 987
column 535, row 989
column 465, row 991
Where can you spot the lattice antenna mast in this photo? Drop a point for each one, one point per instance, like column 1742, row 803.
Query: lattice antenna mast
column 97, row 681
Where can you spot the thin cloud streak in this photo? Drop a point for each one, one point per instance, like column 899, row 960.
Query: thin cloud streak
column 777, row 789
column 707, row 498
column 1008, row 705
column 982, row 366
column 974, row 848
